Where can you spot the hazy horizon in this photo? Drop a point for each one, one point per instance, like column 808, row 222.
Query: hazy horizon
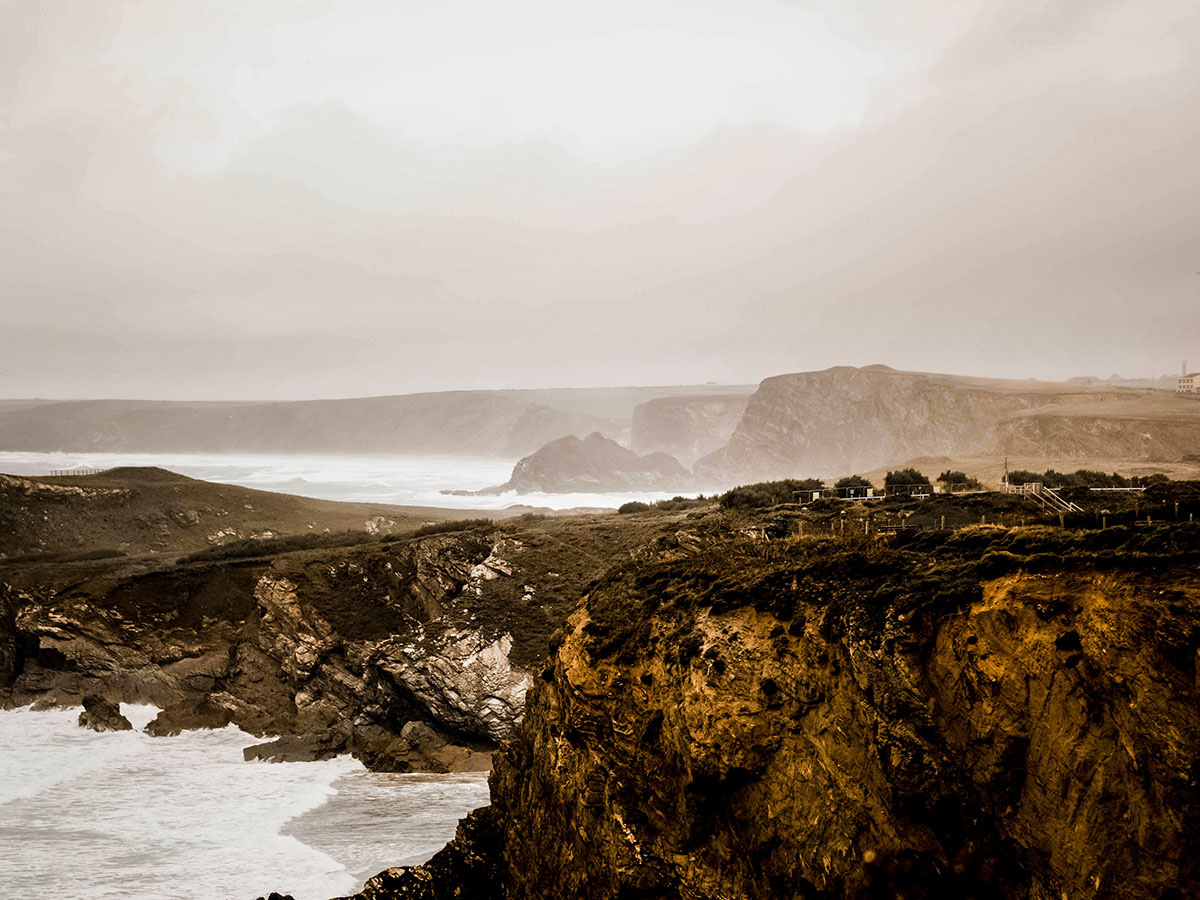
column 330, row 200
column 1116, row 377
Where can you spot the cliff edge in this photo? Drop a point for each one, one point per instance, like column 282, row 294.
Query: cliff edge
column 984, row 713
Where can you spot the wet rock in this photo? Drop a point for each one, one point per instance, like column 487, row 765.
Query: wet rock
column 422, row 748
column 298, row 748
column 100, row 714
column 188, row 715
column 468, row 868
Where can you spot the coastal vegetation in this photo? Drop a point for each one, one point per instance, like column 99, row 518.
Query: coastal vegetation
column 672, row 505
column 768, row 493
column 1085, row 478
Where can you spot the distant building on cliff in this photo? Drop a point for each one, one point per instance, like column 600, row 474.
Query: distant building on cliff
column 1189, row 384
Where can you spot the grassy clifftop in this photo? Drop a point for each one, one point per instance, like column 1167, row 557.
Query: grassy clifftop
column 139, row 510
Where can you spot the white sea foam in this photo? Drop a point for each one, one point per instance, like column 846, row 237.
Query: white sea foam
column 403, row 480
column 125, row 815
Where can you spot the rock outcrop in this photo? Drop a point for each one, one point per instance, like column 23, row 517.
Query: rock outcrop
column 985, row 713
column 100, row 714
column 594, row 463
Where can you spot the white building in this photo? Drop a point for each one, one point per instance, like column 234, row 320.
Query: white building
column 1189, row 384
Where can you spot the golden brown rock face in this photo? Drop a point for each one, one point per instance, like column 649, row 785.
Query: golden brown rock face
column 977, row 719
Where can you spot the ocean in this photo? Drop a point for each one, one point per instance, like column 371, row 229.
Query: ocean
column 126, row 815
column 403, row 480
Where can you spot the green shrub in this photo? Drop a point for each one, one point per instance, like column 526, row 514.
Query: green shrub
column 904, row 477
column 852, row 481
column 1085, row 478
column 955, row 479
column 633, row 506
column 682, row 502
column 768, row 493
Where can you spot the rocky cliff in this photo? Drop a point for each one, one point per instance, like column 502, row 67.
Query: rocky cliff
column 594, row 463
column 985, row 713
column 846, row 419
column 411, row 653
column 686, row 427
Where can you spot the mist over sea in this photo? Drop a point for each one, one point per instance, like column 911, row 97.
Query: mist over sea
column 402, row 480
column 126, row 815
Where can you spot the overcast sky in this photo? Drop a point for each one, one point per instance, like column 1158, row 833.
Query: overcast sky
column 286, row 199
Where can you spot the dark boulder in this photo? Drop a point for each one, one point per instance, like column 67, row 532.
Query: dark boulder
column 188, row 715
column 298, row 747
column 100, row 714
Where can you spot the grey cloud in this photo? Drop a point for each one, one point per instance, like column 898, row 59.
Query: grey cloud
column 1013, row 213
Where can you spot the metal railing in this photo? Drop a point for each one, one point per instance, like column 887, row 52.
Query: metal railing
column 1045, row 497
